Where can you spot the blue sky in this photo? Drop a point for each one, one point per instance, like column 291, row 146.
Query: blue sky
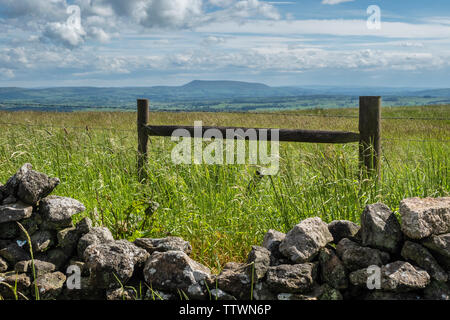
column 171, row 42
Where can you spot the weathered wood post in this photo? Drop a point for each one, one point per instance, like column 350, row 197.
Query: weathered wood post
column 142, row 121
column 370, row 135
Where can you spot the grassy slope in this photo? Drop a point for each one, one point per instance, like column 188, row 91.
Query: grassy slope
column 218, row 208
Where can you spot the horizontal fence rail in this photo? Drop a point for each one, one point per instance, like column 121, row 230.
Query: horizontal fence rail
column 285, row 135
column 369, row 136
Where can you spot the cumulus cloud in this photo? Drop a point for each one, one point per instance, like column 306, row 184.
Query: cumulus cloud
column 332, row 2
column 65, row 34
column 178, row 13
column 47, row 9
column 213, row 40
column 408, row 44
column 242, row 10
column 103, row 19
column 6, row 73
column 173, row 13
column 285, row 60
column 11, row 58
column 221, row 3
column 85, row 63
column 334, row 27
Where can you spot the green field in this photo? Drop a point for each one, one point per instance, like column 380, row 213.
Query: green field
column 223, row 210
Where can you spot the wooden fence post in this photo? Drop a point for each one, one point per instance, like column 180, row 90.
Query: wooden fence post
column 370, row 135
column 142, row 121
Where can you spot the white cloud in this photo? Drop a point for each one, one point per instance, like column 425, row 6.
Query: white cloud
column 221, row 3
column 99, row 34
column 103, row 19
column 241, row 11
column 6, row 73
column 180, row 13
column 48, row 9
column 330, row 27
column 302, row 59
column 172, row 14
column 12, row 58
column 213, row 40
column 409, row 44
column 333, row 2
column 69, row 35
column 270, row 57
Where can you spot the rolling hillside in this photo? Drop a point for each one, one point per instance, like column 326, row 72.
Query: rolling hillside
column 214, row 95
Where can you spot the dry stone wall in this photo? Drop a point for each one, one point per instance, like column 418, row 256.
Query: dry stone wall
column 381, row 259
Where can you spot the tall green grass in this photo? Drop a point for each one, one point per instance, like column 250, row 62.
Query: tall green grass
column 223, row 210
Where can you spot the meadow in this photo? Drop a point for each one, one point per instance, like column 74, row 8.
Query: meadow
column 223, row 210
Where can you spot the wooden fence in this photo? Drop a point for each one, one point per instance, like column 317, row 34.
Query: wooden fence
column 369, row 136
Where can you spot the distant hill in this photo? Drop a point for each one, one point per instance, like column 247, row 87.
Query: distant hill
column 224, row 85
column 195, row 90
column 204, row 94
column 444, row 93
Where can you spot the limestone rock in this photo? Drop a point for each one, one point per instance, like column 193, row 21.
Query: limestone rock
column 357, row 257
column 164, row 244
column 9, row 200
column 84, row 226
column 9, row 230
column 261, row 291
column 14, row 253
column 96, row 236
column 312, row 295
column 341, row 229
column 40, row 267
column 235, row 279
column 109, row 260
column 30, row 186
column 22, row 281
column 68, row 240
column 127, row 294
column 380, row 228
column 57, row 211
column 424, row 217
column 330, row 293
column 440, row 248
column 297, row 278
column 399, row 276
column 42, row 240
column 86, row 292
column 50, row 285
column 174, row 270
column 437, row 290
column 272, row 241
column 332, row 269
column 421, row 257
column 303, row 242
column 31, row 224
column 55, row 256
column 259, row 261
column 15, row 212
column 12, row 231
column 219, row 295
column 81, row 265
